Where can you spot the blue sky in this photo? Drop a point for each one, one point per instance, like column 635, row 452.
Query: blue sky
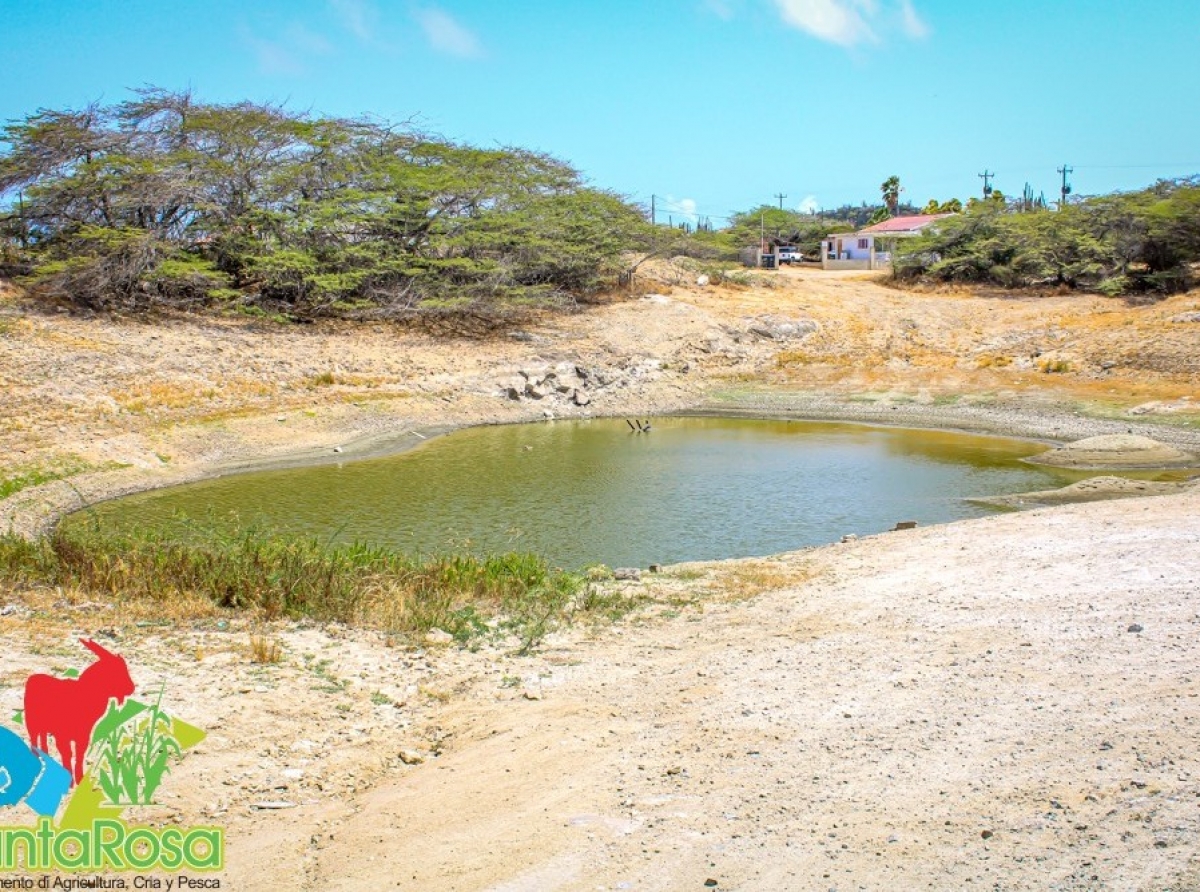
column 712, row 105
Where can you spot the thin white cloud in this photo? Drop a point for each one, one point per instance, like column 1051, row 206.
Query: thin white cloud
column 911, row 23
column 677, row 210
column 849, row 23
column 446, row 35
column 358, row 17
column 304, row 40
column 272, row 57
column 844, row 22
column 809, row 205
column 722, row 9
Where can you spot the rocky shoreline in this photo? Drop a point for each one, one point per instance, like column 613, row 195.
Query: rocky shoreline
column 34, row 511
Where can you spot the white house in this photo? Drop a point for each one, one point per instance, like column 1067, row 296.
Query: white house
column 871, row 248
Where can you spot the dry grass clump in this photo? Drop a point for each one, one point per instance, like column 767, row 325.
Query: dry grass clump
column 265, row 650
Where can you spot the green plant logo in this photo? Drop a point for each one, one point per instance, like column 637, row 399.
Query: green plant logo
column 113, row 752
column 133, row 753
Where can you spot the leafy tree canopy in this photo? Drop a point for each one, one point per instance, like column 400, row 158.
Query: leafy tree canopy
column 166, row 200
column 1142, row 241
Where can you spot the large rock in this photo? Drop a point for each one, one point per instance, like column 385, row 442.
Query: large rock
column 1115, row 451
column 778, row 329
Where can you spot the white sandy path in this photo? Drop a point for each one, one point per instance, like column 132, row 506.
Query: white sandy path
column 859, row 732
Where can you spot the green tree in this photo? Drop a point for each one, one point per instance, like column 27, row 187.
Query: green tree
column 890, row 190
column 1142, row 241
column 165, row 200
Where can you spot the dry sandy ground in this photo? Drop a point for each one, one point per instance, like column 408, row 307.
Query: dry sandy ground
column 945, row 708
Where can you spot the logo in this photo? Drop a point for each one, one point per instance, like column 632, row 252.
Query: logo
column 113, row 753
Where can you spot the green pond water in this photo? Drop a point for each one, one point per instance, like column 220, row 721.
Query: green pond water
column 585, row 492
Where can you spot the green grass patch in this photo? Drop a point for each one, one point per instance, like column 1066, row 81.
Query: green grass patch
column 35, row 475
column 275, row 576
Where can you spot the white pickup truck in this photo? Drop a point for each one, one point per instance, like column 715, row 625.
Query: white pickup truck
column 789, row 254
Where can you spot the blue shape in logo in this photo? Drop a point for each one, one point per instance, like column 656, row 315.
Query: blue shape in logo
column 30, row 775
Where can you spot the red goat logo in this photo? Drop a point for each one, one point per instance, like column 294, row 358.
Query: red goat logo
column 68, row 709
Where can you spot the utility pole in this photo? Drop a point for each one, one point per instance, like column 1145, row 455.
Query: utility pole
column 652, row 220
column 986, row 176
column 1066, row 187
column 781, row 197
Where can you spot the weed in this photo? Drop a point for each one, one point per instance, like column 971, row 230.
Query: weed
column 1055, row 366
column 193, row 568
column 35, row 475
column 264, row 651
column 379, row 698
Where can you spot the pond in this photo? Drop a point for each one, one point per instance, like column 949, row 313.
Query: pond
column 585, row 492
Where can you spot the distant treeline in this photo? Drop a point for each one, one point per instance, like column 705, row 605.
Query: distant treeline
column 167, row 201
column 1128, row 243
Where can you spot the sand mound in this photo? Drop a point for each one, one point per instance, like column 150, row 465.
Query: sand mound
column 1115, row 451
column 1094, row 489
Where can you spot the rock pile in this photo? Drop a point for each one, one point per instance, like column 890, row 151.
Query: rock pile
column 569, row 384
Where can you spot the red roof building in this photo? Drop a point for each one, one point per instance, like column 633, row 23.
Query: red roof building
column 857, row 250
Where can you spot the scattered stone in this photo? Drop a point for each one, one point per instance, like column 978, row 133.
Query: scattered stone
column 274, row 804
column 438, row 636
column 531, row 694
column 627, row 573
column 656, row 568
column 849, row 537
column 1135, row 627
column 1186, row 317
column 702, row 280
column 987, row 834
column 411, row 757
column 337, row 449
column 905, row 525
column 580, row 398
column 710, row 882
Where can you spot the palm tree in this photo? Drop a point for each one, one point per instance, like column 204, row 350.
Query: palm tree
column 891, row 194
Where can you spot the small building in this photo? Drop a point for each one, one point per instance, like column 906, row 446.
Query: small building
column 872, row 247
column 757, row 258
